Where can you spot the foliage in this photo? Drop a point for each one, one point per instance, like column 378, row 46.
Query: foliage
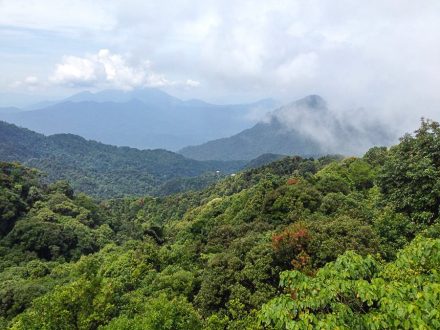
column 333, row 232
column 357, row 292
column 410, row 177
column 107, row 171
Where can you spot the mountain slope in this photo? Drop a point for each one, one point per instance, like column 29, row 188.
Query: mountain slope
column 261, row 139
column 305, row 127
column 99, row 169
column 144, row 119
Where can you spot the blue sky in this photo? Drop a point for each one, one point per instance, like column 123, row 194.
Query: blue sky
column 383, row 55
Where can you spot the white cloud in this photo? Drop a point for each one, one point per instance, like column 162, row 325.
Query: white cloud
column 192, row 83
column 30, row 83
column 299, row 69
column 76, row 70
column 106, row 69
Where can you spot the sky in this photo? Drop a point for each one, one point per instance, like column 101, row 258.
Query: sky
column 379, row 55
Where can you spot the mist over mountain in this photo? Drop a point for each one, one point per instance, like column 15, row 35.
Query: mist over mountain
column 306, row 127
column 9, row 110
column 142, row 118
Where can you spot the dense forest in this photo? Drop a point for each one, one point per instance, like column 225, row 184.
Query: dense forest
column 324, row 243
column 107, row 171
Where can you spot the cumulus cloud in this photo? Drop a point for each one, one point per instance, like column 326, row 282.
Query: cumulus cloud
column 30, row 82
column 76, row 70
column 106, row 69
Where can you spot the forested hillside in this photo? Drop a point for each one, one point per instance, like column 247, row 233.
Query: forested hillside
column 325, row 243
column 108, row 171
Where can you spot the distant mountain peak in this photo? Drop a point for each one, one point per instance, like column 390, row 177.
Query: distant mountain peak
column 311, row 101
column 305, row 127
column 146, row 118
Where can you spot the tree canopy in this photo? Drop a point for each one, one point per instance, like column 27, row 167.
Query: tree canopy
column 331, row 243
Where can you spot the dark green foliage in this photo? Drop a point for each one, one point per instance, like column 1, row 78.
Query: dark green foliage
column 17, row 188
column 264, row 159
column 342, row 233
column 410, row 177
column 57, row 226
column 108, row 171
column 376, row 156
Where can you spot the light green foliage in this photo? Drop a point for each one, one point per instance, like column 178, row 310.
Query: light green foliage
column 100, row 288
column 77, row 305
column 349, row 174
column 160, row 313
column 357, row 292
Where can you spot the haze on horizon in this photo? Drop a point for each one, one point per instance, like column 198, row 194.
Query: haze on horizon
column 383, row 56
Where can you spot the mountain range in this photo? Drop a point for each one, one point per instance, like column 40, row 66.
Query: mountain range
column 143, row 118
column 305, row 127
column 4, row 110
column 150, row 119
column 108, row 171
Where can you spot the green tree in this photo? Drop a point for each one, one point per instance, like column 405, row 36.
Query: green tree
column 357, row 292
column 410, row 177
column 160, row 313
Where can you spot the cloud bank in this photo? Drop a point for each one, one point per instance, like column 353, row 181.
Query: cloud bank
column 381, row 55
column 106, row 69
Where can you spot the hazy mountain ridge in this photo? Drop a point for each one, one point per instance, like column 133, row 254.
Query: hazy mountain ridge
column 103, row 170
column 306, row 127
column 144, row 119
column 9, row 110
